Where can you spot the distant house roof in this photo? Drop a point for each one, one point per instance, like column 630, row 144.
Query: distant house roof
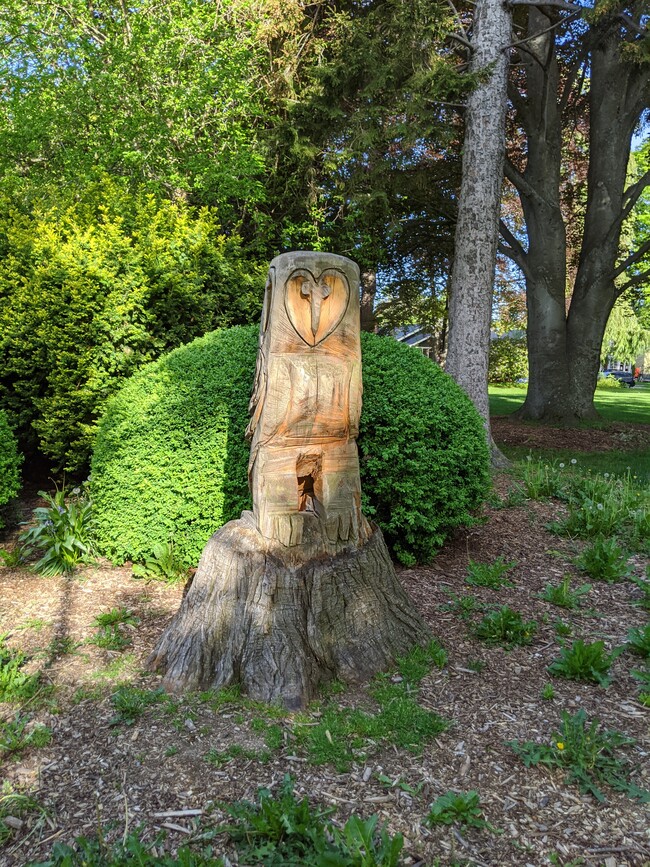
column 412, row 335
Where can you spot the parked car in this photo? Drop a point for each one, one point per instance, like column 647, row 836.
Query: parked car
column 624, row 376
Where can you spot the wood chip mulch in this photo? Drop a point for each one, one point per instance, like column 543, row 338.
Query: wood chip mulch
column 154, row 773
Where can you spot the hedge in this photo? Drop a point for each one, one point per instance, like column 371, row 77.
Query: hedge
column 170, row 461
column 10, row 461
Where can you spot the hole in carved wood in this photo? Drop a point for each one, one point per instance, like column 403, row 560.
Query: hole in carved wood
column 306, row 494
column 308, row 476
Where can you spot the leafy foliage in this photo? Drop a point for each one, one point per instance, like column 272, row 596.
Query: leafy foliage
column 91, row 292
column 505, row 627
column 587, row 754
column 62, row 533
column 171, row 459
column 130, row 703
column 583, row 661
column 638, row 641
column 21, row 733
column 10, row 461
column 508, row 360
column 162, row 564
column 110, row 635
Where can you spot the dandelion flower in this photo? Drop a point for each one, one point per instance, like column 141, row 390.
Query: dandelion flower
column 561, row 466
column 559, row 745
column 600, row 507
column 605, row 475
column 574, row 461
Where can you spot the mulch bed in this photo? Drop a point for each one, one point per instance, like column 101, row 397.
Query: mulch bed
column 152, row 773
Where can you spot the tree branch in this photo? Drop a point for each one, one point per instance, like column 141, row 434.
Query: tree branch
column 515, row 250
column 559, row 4
column 632, row 259
column 637, row 280
column 557, row 24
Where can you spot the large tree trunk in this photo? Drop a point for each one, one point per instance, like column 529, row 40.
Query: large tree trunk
column 470, row 305
column 545, row 261
column 281, row 624
column 564, row 349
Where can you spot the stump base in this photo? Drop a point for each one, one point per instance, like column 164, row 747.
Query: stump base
column 259, row 615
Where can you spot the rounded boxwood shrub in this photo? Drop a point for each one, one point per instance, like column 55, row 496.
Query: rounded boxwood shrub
column 10, row 461
column 170, row 462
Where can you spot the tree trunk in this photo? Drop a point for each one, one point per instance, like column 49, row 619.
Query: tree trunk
column 368, row 292
column 260, row 614
column 470, row 304
column 564, row 349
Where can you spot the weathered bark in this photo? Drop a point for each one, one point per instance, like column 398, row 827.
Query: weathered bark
column 281, row 623
column 470, row 304
column 564, row 348
column 368, row 293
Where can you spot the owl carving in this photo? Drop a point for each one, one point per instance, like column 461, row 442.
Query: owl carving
column 306, row 403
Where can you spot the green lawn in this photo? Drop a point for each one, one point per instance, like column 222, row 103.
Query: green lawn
column 624, row 404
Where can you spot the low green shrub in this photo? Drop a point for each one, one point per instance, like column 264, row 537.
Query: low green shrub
column 10, row 461
column 171, row 459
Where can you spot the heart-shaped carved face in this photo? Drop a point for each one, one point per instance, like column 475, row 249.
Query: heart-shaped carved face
column 316, row 305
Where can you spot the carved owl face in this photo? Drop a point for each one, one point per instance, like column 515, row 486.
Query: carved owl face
column 316, row 305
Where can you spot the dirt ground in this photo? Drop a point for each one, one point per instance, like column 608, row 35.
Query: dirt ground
column 154, row 774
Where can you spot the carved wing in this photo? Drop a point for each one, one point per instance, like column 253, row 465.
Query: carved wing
column 256, row 404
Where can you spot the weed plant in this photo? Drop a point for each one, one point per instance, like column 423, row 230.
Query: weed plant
column 587, row 754
column 505, row 627
column 604, row 560
column 13, row 558
column 219, row 758
column 14, row 804
column 584, row 661
column 643, row 677
column 463, row 606
column 15, row 684
column 283, row 830
column 563, row 595
column 543, row 479
column 110, row 635
column 62, row 534
column 548, row 692
column 130, row 703
column 20, row 733
column 344, row 735
column 457, row 808
column 490, row 575
column 644, row 587
column 638, row 641
column 162, row 564
column 127, row 852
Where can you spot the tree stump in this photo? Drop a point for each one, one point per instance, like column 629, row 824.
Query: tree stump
column 302, row 589
column 258, row 615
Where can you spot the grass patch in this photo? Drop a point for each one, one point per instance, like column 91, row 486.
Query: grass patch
column 130, row 703
column 587, row 754
column 626, row 404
